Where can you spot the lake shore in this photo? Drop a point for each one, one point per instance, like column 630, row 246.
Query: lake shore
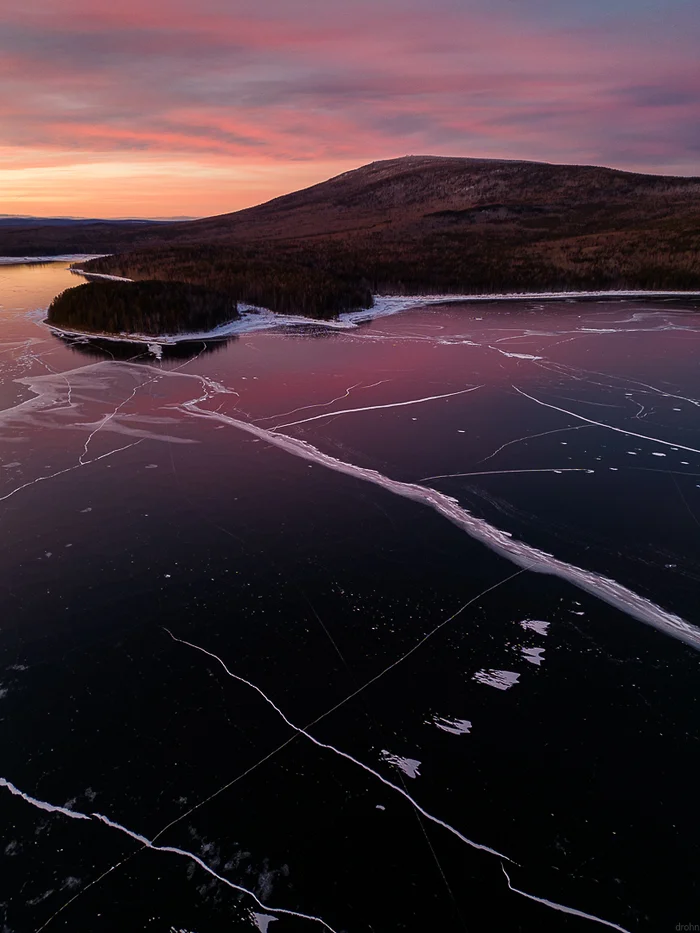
column 254, row 318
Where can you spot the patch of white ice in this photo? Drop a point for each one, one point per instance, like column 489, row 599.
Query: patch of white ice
column 455, row 726
column 533, row 655
column 534, row 625
column 263, row 921
column 501, row 680
column 409, row 766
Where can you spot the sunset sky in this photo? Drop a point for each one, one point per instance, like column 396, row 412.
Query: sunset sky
column 171, row 107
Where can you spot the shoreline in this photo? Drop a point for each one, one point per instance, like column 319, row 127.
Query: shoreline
column 42, row 260
column 99, row 275
column 252, row 319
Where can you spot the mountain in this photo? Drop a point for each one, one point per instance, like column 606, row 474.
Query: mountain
column 419, row 223
column 417, row 194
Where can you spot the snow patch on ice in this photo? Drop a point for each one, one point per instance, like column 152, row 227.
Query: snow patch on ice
column 409, row 766
column 263, row 921
column 455, row 726
column 501, row 680
column 534, row 625
column 520, row 356
column 533, row 655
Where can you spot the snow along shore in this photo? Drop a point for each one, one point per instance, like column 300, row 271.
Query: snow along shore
column 254, row 319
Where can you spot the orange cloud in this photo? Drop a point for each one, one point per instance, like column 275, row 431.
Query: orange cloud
column 200, row 109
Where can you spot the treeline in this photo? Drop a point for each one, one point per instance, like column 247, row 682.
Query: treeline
column 320, row 277
column 285, row 283
column 150, row 307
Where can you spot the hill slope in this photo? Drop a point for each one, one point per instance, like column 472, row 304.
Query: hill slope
column 429, row 224
column 419, row 224
column 418, row 194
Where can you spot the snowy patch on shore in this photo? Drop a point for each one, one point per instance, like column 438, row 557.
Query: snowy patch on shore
column 99, row 275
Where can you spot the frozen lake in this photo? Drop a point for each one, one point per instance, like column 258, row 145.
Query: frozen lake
column 385, row 628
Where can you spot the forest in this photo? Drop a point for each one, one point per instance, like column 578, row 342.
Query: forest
column 321, row 276
column 264, row 277
column 429, row 225
column 150, row 307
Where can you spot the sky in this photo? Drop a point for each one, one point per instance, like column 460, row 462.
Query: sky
column 160, row 108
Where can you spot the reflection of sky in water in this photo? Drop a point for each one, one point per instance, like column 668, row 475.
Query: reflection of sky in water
column 292, row 509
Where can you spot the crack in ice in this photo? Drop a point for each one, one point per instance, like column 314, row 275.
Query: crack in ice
column 562, row 908
column 331, row 748
column 532, row 437
column 502, row 542
column 76, row 466
column 609, row 427
column 148, row 844
column 114, row 413
column 348, row 411
column 424, row 479
column 346, row 394
column 41, row 804
column 412, row 768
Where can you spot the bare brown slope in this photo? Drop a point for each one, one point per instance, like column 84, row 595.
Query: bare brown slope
column 411, row 196
column 424, row 193
column 428, row 224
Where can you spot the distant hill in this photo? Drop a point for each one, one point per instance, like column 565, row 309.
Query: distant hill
column 419, row 223
column 54, row 236
column 24, row 220
column 420, row 194
column 431, row 224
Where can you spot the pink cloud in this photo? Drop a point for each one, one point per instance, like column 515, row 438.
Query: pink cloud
column 274, row 83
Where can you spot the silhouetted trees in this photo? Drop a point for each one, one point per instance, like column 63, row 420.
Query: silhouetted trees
column 259, row 276
column 149, row 307
column 326, row 275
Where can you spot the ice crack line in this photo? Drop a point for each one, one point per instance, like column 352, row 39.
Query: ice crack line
column 521, row 554
column 303, row 732
column 630, row 383
column 76, row 466
column 609, row 427
column 41, row 804
column 346, row 394
column 113, row 414
column 503, row 472
column 148, row 844
column 348, row 411
column 342, row 754
column 532, row 437
column 562, row 908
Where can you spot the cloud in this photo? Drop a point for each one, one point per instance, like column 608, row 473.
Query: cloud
column 334, row 83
